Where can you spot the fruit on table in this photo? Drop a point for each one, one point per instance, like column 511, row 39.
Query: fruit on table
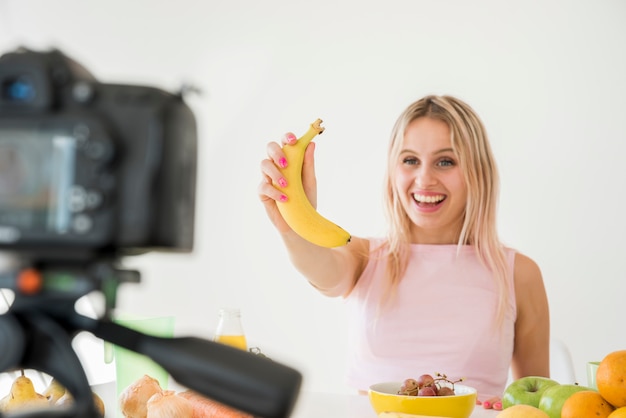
column 167, row 404
column 134, row 399
column 57, row 395
column 205, row 407
column 144, row 398
column 298, row 211
column 526, row 390
column 23, row 396
column 426, row 385
column 587, row 403
column 522, row 411
column 67, row 400
column 611, row 378
column 554, row 397
column 618, row 413
column 54, row 391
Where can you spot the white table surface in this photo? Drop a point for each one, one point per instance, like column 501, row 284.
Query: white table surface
column 308, row 405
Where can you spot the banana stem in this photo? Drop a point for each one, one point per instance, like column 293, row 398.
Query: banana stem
column 316, row 128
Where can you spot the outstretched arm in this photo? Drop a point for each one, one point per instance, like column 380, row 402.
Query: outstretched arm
column 333, row 271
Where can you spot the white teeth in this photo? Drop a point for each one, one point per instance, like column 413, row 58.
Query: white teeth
column 428, row 199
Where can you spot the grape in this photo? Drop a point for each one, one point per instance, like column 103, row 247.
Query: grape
column 427, row 391
column 445, row 391
column 409, row 387
column 425, row 380
column 426, row 385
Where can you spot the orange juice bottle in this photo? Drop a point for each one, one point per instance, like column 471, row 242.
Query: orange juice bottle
column 230, row 330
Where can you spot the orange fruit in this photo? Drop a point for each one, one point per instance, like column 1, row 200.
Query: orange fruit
column 618, row 413
column 587, row 403
column 522, row 411
column 611, row 378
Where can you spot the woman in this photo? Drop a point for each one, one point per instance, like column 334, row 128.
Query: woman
column 440, row 293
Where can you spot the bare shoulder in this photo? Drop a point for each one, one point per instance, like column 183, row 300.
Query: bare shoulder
column 530, row 293
column 526, row 271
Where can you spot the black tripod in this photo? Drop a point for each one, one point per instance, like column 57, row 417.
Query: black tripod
column 37, row 330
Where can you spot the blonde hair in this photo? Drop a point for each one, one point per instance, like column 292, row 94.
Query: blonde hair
column 471, row 146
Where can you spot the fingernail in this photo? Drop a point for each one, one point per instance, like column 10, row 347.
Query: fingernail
column 487, row 404
column 498, row 406
column 282, row 162
column 283, row 198
column 290, row 137
column 282, row 182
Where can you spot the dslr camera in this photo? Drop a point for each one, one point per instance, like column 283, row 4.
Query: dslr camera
column 91, row 172
column 88, row 168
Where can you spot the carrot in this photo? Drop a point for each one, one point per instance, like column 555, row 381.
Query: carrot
column 208, row 408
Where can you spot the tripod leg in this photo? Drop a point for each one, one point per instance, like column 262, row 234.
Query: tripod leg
column 49, row 349
column 11, row 342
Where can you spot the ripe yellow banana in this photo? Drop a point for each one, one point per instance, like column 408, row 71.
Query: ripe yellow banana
column 297, row 211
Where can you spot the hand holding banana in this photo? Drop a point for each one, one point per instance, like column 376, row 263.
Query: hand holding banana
column 297, row 210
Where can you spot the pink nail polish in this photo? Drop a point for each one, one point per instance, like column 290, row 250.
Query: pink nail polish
column 283, row 198
column 290, row 137
column 282, row 182
column 497, row 406
column 282, row 162
column 487, row 404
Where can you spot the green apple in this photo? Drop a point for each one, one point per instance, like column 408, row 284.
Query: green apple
column 554, row 397
column 526, row 391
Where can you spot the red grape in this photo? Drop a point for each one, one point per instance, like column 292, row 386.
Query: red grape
column 427, row 391
column 426, row 385
column 425, row 380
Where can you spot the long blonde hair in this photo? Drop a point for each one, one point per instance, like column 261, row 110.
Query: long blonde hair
column 471, row 146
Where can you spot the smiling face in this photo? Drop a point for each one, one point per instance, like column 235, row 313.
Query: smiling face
column 429, row 182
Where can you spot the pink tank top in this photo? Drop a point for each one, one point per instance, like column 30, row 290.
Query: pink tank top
column 443, row 320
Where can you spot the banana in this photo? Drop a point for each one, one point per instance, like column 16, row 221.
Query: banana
column 297, row 211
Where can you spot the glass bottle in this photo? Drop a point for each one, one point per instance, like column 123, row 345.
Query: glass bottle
column 229, row 329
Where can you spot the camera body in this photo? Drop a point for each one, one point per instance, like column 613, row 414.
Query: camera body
column 89, row 169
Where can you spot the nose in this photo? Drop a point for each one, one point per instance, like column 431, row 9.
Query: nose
column 425, row 177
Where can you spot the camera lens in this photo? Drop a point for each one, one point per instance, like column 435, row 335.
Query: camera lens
column 18, row 89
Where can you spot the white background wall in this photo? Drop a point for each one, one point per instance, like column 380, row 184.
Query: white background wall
column 547, row 77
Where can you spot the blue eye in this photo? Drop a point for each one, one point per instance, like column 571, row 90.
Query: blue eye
column 446, row 163
column 410, row 161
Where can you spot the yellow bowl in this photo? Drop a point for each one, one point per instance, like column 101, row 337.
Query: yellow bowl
column 384, row 398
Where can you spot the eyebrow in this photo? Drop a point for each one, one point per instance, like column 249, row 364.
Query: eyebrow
column 441, row 151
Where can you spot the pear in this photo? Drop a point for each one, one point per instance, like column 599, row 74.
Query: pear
column 99, row 403
column 54, row 391
column 67, row 400
column 23, row 396
column 3, row 403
